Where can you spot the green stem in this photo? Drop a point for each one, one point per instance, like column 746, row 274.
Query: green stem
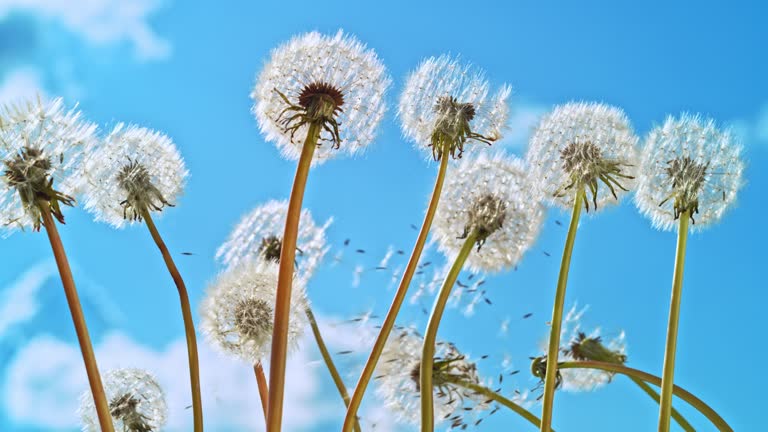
column 189, row 325
column 680, row 392
column 668, row 373
column 285, row 282
column 430, row 336
column 394, row 309
column 655, row 396
column 329, row 361
column 557, row 315
column 490, row 394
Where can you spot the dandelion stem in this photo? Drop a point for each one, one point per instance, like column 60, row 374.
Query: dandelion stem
column 189, row 326
column 490, row 394
column 329, row 361
column 655, row 396
column 557, row 315
column 397, row 302
column 285, row 282
column 261, row 381
column 78, row 319
column 430, row 336
column 680, row 392
column 668, row 373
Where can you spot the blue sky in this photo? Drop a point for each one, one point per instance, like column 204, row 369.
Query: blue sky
column 187, row 68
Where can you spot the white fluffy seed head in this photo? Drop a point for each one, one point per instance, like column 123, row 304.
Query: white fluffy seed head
column 688, row 164
column 260, row 232
column 237, row 313
column 582, row 144
column 495, row 195
column 398, row 374
column 339, row 62
column 429, row 86
column 40, row 141
column 133, row 168
column 136, row 402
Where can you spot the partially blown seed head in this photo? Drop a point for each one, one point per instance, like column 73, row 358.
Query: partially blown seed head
column 41, row 149
column 237, row 313
column 136, row 402
column 585, row 146
column 134, row 170
column 494, row 197
column 447, row 104
column 334, row 82
column 688, row 165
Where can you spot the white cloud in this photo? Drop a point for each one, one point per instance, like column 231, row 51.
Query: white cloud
column 101, row 21
column 522, row 120
column 753, row 131
column 18, row 301
column 19, row 84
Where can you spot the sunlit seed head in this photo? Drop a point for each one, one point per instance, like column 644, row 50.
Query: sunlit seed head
column 237, row 312
column 136, row 402
column 584, row 146
column 688, row 165
column 133, row 171
column 41, row 147
column 494, row 198
column 446, row 104
column 333, row 82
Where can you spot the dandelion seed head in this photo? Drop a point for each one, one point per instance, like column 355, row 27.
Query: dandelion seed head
column 447, row 103
column 237, row 312
column 258, row 236
column 494, row 197
column 399, row 370
column 41, row 149
column 584, row 145
column 688, row 164
column 136, row 402
column 332, row 81
column 134, row 169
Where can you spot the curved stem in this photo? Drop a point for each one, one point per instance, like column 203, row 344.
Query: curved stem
column 490, row 394
column 78, row 319
column 189, row 325
column 655, row 396
column 329, row 361
column 261, row 381
column 397, row 302
column 430, row 336
column 680, row 392
column 668, row 373
column 557, row 315
column 285, row 282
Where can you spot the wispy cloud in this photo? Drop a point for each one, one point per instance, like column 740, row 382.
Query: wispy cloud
column 18, row 301
column 522, row 120
column 753, row 131
column 21, row 83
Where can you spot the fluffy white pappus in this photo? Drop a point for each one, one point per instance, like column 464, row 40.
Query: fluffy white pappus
column 341, row 62
column 131, row 169
column 446, row 76
column 688, row 163
column 251, row 238
column 581, row 143
column 518, row 213
column 398, row 374
column 237, row 313
column 40, row 140
column 136, row 402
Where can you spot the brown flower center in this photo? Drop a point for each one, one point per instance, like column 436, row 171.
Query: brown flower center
column 253, row 318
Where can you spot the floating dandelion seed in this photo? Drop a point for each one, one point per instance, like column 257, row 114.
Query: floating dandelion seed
column 332, row 81
column 584, row 146
column 495, row 197
column 258, row 236
column 398, row 374
column 446, row 104
column 136, row 402
column 237, row 312
column 688, row 165
column 41, row 149
column 132, row 171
